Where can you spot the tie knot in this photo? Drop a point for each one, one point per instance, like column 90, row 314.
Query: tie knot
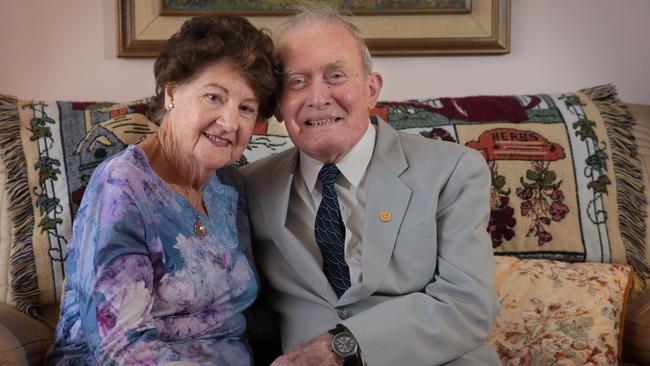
column 327, row 175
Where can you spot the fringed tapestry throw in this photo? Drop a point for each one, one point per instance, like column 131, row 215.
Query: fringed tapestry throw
column 566, row 183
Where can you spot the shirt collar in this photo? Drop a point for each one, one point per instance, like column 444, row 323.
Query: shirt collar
column 353, row 165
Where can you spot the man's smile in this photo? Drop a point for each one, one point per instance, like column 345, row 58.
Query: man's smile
column 322, row 122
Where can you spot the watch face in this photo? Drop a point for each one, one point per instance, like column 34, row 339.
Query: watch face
column 344, row 344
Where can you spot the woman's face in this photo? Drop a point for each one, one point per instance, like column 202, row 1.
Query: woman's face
column 213, row 116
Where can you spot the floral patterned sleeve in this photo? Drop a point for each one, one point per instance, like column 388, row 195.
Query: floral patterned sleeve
column 117, row 278
column 123, row 301
column 142, row 288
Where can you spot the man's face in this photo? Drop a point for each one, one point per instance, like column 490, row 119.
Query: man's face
column 327, row 95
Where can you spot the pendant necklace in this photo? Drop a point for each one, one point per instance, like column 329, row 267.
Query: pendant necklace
column 200, row 230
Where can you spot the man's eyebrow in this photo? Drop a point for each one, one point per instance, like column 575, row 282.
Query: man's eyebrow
column 289, row 71
column 332, row 65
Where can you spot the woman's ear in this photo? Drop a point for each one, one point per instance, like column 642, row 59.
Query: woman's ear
column 169, row 95
column 375, row 82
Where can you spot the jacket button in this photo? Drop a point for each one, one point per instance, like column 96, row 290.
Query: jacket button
column 344, row 313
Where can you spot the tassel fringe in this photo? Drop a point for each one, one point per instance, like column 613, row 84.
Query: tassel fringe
column 24, row 282
column 632, row 204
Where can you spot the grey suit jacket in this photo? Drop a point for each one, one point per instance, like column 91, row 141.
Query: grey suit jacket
column 427, row 290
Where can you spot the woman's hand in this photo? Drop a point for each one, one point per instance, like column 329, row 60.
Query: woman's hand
column 316, row 352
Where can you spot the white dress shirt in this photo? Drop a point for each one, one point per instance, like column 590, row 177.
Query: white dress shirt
column 351, row 187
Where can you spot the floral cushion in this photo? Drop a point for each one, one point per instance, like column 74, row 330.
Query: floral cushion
column 559, row 313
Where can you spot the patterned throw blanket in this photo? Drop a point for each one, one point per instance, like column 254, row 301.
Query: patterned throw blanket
column 565, row 180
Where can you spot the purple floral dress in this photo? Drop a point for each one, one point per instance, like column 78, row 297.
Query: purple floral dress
column 141, row 288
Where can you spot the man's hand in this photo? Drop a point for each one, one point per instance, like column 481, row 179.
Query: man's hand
column 316, row 352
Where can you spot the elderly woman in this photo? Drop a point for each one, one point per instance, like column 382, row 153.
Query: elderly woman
column 159, row 267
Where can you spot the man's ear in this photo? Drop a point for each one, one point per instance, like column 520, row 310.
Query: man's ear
column 375, row 82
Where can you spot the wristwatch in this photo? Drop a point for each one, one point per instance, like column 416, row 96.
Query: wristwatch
column 345, row 345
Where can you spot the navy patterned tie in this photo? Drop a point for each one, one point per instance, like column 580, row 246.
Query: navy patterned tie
column 330, row 232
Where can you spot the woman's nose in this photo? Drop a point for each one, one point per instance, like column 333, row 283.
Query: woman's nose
column 229, row 119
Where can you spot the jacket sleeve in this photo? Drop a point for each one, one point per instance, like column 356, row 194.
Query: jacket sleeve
column 454, row 313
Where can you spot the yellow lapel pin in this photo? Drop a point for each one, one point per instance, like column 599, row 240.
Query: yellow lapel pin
column 385, row 216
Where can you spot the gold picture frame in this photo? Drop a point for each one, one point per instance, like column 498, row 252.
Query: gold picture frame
column 142, row 29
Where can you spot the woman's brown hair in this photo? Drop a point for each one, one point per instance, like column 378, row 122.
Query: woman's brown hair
column 206, row 39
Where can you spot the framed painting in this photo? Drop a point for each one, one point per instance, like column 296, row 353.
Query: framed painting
column 283, row 7
column 483, row 27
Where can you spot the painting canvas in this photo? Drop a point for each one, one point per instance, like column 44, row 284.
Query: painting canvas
column 275, row 7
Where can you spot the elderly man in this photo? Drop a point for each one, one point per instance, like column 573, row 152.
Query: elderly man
column 373, row 243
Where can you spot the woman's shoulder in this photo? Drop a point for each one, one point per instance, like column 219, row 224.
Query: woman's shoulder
column 129, row 165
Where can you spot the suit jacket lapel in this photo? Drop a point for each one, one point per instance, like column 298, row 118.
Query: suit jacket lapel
column 387, row 193
column 275, row 211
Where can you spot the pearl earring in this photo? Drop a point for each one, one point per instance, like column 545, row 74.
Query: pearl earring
column 170, row 106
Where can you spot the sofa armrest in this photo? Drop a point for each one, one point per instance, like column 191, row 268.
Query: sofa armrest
column 636, row 331
column 23, row 340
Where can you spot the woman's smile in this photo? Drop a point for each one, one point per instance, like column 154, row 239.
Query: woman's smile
column 217, row 140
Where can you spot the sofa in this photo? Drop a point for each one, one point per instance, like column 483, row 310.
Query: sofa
column 568, row 222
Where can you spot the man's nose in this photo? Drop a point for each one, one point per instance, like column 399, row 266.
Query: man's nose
column 319, row 95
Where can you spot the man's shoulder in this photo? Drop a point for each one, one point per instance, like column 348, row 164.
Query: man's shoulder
column 439, row 156
column 434, row 149
column 260, row 170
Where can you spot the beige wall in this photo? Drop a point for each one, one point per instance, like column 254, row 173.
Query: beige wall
column 65, row 49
